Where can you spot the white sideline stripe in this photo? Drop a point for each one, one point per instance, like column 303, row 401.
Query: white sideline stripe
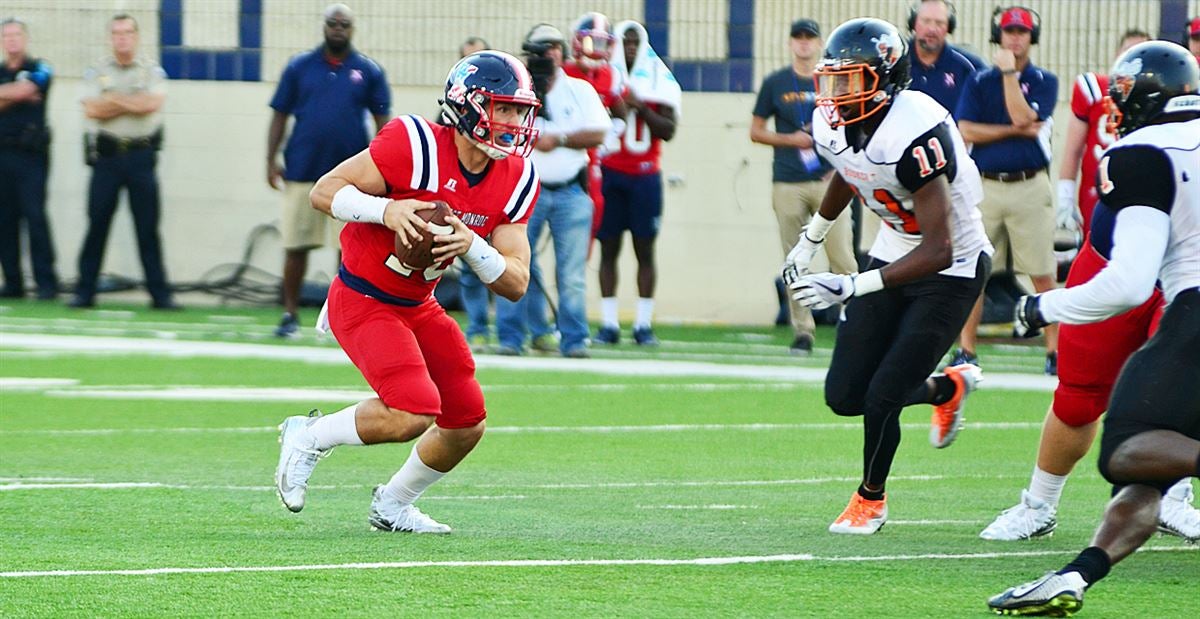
column 731, row 482
column 25, row 479
column 18, row 383
column 326, row 355
column 933, row 522
column 722, row 427
column 701, row 561
column 125, row 485
column 715, row 506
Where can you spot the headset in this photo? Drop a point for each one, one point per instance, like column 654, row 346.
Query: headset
column 999, row 13
column 952, row 21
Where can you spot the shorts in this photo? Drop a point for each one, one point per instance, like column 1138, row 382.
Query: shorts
column 415, row 358
column 303, row 227
column 632, row 202
column 1090, row 356
column 1020, row 216
column 1159, row 389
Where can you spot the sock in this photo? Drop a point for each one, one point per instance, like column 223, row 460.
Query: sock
column 336, row 429
column 645, row 312
column 1181, row 491
column 1047, row 486
column 943, row 389
column 608, row 312
column 870, row 495
column 1092, row 564
column 411, row 480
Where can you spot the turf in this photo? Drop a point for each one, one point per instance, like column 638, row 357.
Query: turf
column 577, row 466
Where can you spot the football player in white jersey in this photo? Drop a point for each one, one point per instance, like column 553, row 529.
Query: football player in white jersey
column 1149, row 185
column 901, row 154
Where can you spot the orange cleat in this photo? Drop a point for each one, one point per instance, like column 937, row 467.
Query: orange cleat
column 947, row 418
column 861, row 516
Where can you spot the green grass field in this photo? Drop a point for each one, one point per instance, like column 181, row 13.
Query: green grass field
column 696, row 480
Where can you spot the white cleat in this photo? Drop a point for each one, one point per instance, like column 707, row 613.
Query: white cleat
column 1176, row 516
column 389, row 515
column 948, row 417
column 1028, row 519
column 1052, row 595
column 298, row 457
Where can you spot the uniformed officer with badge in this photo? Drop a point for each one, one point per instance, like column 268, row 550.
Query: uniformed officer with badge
column 124, row 96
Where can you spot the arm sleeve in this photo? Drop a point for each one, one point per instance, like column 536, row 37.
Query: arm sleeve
column 285, row 93
column 929, row 156
column 1140, row 242
column 764, row 106
column 1044, row 97
column 381, row 96
column 42, row 75
column 393, row 154
column 968, row 102
column 156, row 80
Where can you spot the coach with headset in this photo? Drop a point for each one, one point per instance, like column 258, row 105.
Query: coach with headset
column 939, row 69
column 1005, row 112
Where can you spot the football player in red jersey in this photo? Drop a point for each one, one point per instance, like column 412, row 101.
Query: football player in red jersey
column 383, row 313
column 1089, row 355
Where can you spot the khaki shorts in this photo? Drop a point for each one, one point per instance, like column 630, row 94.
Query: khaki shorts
column 1020, row 216
column 302, row 226
column 794, row 205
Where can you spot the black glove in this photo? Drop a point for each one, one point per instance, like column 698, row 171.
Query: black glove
column 1028, row 320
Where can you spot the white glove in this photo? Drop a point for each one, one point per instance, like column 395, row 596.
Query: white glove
column 1027, row 316
column 821, row 290
column 1066, row 212
column 801, row 255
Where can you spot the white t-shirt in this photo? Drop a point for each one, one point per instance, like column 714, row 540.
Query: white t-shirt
column 573, row 106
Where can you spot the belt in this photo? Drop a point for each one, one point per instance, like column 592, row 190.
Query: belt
column 1012, row 177
column 559, row 186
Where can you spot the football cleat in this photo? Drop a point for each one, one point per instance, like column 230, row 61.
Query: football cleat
column 607, row 335
column 1176, row 516
column 387, row 514
column 1028, row 519
column 289, row 326
column 947, row 418
column 298, row 457
column 644, row 336
column 861, row 516
column 1052, row 595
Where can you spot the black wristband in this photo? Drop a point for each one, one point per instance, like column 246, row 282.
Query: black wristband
column 1009, row 72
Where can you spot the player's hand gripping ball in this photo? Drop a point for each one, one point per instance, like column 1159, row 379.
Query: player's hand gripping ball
column 420, row 255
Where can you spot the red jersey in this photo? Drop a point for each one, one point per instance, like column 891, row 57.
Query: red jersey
column 640, row 152
column 1087, row 104
column 419, row 160
column 603, row 79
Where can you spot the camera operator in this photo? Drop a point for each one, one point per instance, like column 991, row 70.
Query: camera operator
column 573, row 120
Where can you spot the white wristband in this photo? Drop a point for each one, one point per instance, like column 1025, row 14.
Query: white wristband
column 868, row 282
column 487, row 263
column 350, row 204
column 1066, row 190
column 817, row 228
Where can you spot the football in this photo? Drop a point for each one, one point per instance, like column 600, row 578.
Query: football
column 420, row 255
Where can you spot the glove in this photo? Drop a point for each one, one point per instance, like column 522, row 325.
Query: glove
column 801, row 255
column 1066, row 212
column 1028, row 320
column 821, row 290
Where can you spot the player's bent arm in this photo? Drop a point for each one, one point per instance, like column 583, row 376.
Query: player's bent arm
column 1073, row 151
column 511, row 241
column 583, row 140
column 1139, row 244
column 661, row 123
column 837, row 197
column 353, row 191
column 935, row 252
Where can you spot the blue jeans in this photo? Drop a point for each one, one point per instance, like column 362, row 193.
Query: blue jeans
column 569, row 213
column 474, row 296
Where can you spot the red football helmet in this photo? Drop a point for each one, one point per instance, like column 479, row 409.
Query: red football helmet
column 593, row 39
column 475, row 86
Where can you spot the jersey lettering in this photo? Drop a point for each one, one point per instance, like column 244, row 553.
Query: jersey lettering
column 1106, row 185
column 637, row 138
column 923, row 158
column 430, row 273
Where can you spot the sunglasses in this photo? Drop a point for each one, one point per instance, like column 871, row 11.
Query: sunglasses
column 344, row 23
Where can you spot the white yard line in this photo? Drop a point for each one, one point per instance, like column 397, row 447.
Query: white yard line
column 538, row 563
column 718, row 506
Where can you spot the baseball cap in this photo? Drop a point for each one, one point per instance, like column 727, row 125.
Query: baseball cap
column 1194, row 27
column 545, row 33
column 806, row 26
column 1016, row 17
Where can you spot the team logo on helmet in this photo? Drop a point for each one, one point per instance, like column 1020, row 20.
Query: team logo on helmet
column 888, row 46
column 1125, row 75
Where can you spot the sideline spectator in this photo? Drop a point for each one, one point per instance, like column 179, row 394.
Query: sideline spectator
column 24, row 164
column 125, row 93
column 329, row 90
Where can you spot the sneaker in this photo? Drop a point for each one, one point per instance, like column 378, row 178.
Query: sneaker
column 963, row 357
column 544, row 343
column 478, row 343
column 388, row 514
column 1176, row 516
column 947, row 418
column 1052, row 595
column 802, row 346
column 298, row 457
column 607, row 335
column 1051, row 364
column 509, row 351
column 644, row 336
column 861, row 516
column 577, row 353
column 1030, row 518
column 289, row 326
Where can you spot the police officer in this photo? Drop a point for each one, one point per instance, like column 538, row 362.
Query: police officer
column 24, row 160
column 124, row 95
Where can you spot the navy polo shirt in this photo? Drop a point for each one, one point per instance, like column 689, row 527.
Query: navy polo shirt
column 16, row 118
column 330, row 102
column 944, row 81
column 982, row 101
column 791, row 99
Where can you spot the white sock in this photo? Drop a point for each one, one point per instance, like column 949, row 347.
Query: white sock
column 411, row 480
column 608, row 312
column 645, row 311
column 1182, row 490
column 1046, row 486
column 336, row 429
